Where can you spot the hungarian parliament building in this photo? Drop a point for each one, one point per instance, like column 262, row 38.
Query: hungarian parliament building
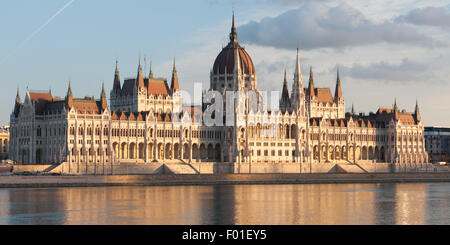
column 143, row 123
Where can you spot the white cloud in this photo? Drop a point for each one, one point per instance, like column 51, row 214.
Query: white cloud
column 315, row 25
column 431, row 16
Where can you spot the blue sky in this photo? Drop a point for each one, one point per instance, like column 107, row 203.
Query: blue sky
column 384, row 49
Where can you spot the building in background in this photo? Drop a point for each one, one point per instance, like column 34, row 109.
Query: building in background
column 4, row 143
column 437, row 143
column 142, row 123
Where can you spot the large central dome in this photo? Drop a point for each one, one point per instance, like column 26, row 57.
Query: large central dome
column 226, row 58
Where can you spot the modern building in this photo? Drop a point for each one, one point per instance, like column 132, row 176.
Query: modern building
column 142, row 123
column 4, row 142
column 437, row 143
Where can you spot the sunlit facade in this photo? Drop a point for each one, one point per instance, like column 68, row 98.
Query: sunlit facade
column 143, row 123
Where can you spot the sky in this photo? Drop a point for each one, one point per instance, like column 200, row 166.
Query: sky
column 384, row 49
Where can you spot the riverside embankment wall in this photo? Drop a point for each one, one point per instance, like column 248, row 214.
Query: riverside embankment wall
column 219, row 168
column 216, row 179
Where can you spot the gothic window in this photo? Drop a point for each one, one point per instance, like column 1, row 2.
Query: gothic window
column 38, row 131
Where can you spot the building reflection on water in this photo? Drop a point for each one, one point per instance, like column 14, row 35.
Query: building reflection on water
column 239, row 204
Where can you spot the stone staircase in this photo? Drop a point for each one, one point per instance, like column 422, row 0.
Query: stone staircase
column 49, row 169
column 178, row 167
column 347, row 168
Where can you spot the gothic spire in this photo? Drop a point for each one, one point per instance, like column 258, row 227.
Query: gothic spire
column 297, row 86
column 416, row 112
column 338, row 91
column 298, row 72
column 116, row 83
column 174, row 86
column 353, row 110
column 69, row 97
column 17, row 104
column 140, row 78
column 396, row 113
column 285, row 102
column 311, row 92
column 18, row 96
column 103, row 98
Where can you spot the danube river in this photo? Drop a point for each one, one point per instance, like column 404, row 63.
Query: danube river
column 334, row 204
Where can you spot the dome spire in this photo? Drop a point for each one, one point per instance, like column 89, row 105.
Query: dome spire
column 233, row 34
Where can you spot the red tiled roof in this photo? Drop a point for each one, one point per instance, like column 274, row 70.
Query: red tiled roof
column 324, row 95
column 86, row 106
column 157, row 87
column 407, row 118
column 40, row 100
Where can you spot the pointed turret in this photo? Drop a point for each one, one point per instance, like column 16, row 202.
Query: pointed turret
column 396, row 113
column 116, row 84
column 417, row 113
column 17, row 104
column 69, row 97
column 174, row 85
column 338, row 90
column 140, row 78
column 103, row 98
column 285, row 103
column 310, row 92
column 150, row 73
column 353, row 110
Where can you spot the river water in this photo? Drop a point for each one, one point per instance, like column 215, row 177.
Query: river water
column 334, row 204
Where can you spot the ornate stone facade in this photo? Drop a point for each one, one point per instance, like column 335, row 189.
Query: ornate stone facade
column 141, row 124
column 4, row 142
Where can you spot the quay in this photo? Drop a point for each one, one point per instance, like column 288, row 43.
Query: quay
column 38, row 181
